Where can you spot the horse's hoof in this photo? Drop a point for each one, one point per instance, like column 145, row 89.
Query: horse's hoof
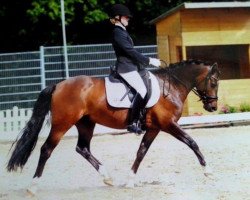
column 31, row 191
column 130, row 184
column 208, row 172
column 131, row 180
column 108, row 181
column 209, row 175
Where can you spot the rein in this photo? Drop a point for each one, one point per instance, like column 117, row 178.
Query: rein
column 201, row 94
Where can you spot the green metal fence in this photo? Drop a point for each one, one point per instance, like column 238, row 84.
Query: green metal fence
column 24, row 75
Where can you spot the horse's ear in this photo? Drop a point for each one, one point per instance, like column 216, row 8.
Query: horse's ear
column 215, row 68
column 215, row 65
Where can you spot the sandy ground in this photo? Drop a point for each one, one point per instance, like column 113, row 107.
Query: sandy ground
column 170, row 169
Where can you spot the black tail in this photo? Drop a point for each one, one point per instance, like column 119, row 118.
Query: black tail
column 29, row 135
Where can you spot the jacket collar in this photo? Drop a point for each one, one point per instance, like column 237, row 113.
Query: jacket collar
column 120, row 25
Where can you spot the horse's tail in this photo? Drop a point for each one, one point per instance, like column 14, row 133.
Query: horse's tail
column 29, row 135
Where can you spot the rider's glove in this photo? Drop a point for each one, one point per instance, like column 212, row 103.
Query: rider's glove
column 154, row 61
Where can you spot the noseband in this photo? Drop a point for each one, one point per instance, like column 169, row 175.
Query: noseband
column 203, row 96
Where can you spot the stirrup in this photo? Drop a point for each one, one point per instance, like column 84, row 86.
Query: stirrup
column 134, row 128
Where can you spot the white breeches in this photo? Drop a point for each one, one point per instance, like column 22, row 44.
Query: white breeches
column 134, row 79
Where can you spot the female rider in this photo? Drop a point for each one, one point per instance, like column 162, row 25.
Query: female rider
column 129, row 62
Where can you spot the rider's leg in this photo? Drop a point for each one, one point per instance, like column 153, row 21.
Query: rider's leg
column 134, row 80
column 134, row 114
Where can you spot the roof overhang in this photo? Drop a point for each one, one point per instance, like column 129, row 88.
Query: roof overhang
column 210, row 5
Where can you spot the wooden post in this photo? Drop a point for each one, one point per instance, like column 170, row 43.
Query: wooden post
column 248, row 59
column 163, row 48
column 184, row 57
column 184, row 53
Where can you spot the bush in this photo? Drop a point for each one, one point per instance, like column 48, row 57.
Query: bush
column 244, row 107
column 233, row 109
column 228, row 109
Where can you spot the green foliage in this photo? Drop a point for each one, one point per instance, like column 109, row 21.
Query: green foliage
column 39, row 21
column 95, row 16
column 43, row 7
column 92, row 10
column 233, row 109
column 95, row 10
column 244, row 107
column 228, row 109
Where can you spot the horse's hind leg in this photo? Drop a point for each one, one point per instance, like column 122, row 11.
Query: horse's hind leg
column 85, row 129
column 56, row 133
column 51, row 142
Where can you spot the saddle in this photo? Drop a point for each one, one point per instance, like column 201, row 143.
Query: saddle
column 120, row 94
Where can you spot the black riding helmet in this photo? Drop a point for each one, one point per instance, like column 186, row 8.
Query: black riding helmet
column 120, row 10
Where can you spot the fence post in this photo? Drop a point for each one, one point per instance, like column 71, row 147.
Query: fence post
column 22, row 118
column 65, row 48
column 8, row 121
column 42, row 67
column 2, row 122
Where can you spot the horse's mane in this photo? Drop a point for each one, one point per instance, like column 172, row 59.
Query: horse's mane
column 184, row 63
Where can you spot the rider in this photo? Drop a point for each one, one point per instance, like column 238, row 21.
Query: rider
column 129, row 62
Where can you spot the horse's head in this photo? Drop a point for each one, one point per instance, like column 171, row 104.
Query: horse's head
column 207, row 87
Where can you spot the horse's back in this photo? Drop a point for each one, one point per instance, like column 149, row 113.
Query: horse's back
column 75, row 85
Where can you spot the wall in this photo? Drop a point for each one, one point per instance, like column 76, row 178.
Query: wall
column 169, row 37
column 215, row 26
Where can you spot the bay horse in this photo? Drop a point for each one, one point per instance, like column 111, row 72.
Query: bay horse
column 81, row 101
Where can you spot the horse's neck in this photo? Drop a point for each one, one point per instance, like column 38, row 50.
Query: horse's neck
column 184, row 78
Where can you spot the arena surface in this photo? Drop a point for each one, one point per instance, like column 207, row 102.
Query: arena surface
column 170, row 169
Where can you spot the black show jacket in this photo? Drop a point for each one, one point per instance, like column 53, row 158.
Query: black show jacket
column 128, row 58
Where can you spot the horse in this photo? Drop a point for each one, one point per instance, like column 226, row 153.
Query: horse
column 81, row 101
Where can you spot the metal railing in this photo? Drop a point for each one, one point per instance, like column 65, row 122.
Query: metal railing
column 24, row 75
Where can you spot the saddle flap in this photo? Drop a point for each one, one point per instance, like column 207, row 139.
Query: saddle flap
column 117, row 92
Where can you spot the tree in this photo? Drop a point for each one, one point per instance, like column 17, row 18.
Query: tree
column 91, row 11
column 26, row 25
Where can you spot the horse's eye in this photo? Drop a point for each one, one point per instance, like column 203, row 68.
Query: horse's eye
column 213, row 84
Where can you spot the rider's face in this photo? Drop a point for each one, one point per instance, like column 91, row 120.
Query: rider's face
column 125, row 20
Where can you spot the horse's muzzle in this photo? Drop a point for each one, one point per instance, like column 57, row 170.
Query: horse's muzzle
column 210, row 107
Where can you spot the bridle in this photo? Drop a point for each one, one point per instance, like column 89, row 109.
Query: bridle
column 202, row 94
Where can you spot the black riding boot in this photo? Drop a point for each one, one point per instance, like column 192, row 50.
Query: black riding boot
column 134, row 114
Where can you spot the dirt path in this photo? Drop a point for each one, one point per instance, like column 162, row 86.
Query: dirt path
column 170, row 170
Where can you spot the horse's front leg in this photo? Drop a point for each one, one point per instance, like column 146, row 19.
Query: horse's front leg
column 147, row 140
column 175, row 130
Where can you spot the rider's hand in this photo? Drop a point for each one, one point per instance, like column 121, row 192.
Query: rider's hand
column 154, row 61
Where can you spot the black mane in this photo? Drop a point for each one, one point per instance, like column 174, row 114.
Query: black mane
column 178, row 65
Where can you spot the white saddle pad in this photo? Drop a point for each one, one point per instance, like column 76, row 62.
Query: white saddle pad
column 116, row 91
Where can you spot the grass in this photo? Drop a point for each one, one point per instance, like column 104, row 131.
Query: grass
column 244, row 107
